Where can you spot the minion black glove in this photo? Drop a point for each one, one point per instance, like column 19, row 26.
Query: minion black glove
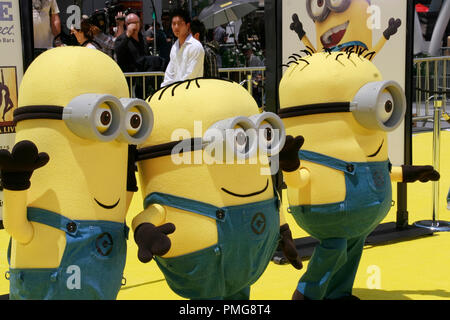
column 289, row 160
column 288, row 247
column 297, row 26
column 152, row 240
column 18, row 166
column 392, row 29
column 421, row 173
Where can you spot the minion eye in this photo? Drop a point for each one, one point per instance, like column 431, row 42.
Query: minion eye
column 339, row 5
column 241, row 140
column 267, row 133
column 133, row 121
column 317, row 7
column 103, row 118
column 385, row 106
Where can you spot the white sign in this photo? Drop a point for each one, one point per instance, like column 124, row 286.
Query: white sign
column 364, row 25
column 11, row 72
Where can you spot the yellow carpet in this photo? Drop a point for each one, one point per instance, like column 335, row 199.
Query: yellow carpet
column 414, row 269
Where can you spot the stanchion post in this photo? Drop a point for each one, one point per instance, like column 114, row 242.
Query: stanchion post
column 435, row 224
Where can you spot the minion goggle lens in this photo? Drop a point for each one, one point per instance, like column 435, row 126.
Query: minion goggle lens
column 97, row 117
column 377, row 106
column 319, row 10
column 229, row 139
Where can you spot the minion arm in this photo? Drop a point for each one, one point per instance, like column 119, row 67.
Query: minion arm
column 154, row 214
column 15, row 216
column 410, row 173
column 297, row 179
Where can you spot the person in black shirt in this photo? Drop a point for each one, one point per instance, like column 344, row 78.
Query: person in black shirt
column 131, row 47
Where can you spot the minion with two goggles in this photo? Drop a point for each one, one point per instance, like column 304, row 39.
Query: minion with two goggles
column 337, row 111
column 65, row 208
column 341, row 25
column 219, row 212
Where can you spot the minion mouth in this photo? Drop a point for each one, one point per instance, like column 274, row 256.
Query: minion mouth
column 247, row 195
column 106, row 206
column 378, row 151
column 333, row 36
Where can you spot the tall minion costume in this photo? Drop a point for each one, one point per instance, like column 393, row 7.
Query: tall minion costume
column 337, row 109
column 205, row 190
column 341, row 25
column 65, row 207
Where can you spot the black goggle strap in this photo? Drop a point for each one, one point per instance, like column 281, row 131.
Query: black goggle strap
column 38, row 112
column 314, row 109
column 165, row 149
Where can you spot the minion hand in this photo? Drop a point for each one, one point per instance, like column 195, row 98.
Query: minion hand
column 18, row 166
column 392, row 29
column 152, row 240
column 289, row 160
column 297, row 26
column 421, row 173
column 288, row 247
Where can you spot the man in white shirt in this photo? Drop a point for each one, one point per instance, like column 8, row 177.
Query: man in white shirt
column 46, row 22
column 187, row 54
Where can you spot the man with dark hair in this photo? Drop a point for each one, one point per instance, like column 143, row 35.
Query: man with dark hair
column 198, row 31
column 187, row 54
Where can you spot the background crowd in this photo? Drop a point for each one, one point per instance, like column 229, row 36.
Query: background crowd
column 143, row 48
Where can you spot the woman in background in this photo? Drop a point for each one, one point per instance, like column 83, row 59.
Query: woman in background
column 85, row 35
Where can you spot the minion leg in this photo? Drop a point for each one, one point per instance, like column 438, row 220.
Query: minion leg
column 341, row 282
column 244, row 294
column 328, row 257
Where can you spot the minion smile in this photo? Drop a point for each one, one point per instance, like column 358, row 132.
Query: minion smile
column 247, row 195
column 376, row 152
column 106, row 206
column 333, row 36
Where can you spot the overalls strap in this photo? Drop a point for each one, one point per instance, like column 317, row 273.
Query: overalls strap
column 186, row 204
column 341, row 165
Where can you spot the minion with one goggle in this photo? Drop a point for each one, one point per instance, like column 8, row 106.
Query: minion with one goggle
column 337, row 111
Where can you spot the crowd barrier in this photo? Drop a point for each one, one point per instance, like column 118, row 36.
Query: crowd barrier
column 144, row 84
column 431, row 88
column 431, row 105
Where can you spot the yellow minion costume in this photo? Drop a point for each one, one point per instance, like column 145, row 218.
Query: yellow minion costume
column 65, row 207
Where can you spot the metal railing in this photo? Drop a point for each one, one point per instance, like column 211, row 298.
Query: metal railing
column 431, row 86
column 144, row 84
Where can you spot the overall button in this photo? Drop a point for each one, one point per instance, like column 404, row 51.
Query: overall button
column 71, row 227
column 54, row 277
column 350, row 167
column 220, row 214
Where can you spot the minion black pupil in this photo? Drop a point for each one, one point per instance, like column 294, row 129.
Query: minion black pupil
column 320, row 3
column 388, row 106
column 135, row 121
column 268, row 134
column 105, row 118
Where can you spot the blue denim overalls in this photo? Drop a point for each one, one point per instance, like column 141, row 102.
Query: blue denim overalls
column 248, row 236
column 91, row 267
column 342, row 227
